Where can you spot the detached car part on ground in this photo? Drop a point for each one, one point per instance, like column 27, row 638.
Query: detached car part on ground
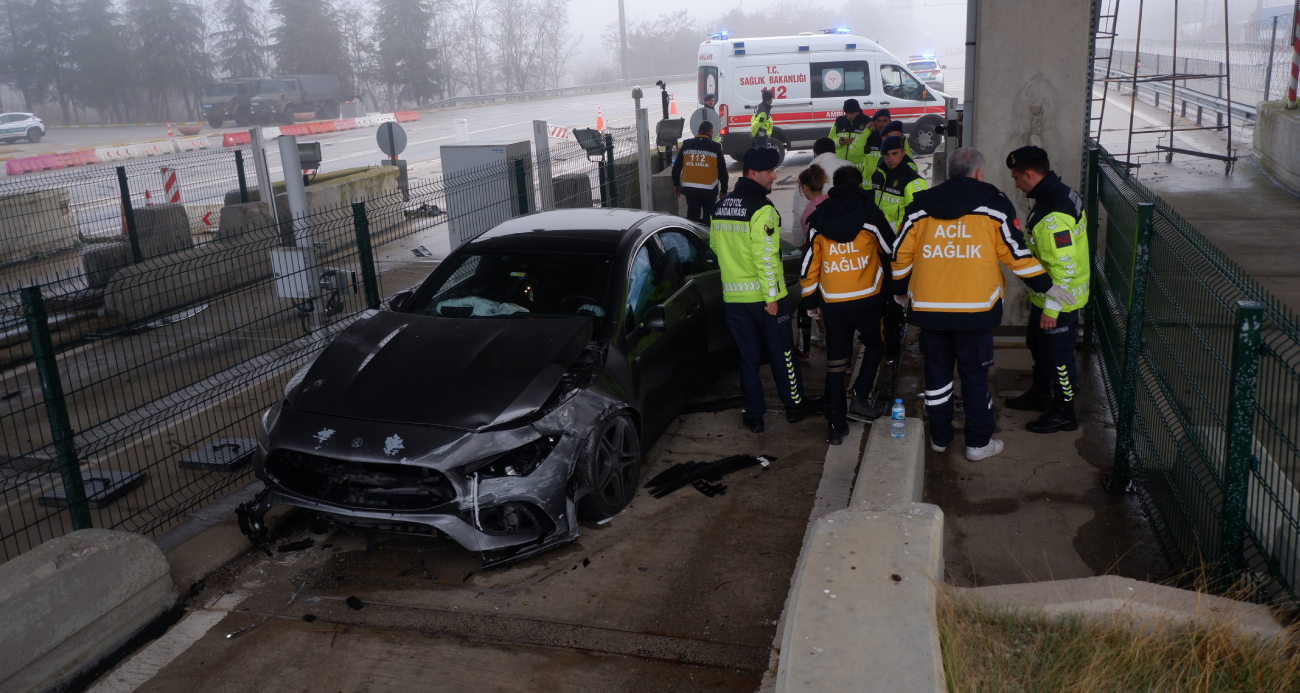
column 511, row 394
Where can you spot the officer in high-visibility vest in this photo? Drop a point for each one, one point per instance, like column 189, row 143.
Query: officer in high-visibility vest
column 760, row 126
column 946, row 267
column 700, row 173
column 1058, row 238
column 866, row 149
column 847, row 128
column 745, row 235
column 895, row 183
column 895, row 127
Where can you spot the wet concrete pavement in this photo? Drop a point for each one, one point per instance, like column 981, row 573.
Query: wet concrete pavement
column 1037, row 511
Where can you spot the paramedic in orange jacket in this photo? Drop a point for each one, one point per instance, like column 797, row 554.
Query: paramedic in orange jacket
column 843, row 279
column 945, row 266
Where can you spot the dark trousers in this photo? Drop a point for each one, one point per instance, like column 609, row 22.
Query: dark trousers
column 753, row 329
column 893, row 320
column 839, row 347
column 972, row 353
column 700, row 208
column 1053, row 351
column 804, row 342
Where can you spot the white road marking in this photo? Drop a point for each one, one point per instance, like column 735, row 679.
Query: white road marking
column 149, row 661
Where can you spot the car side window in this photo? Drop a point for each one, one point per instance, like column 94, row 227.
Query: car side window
column 840, row 78
column 8, row 118
column 899, row 84
column 688, row 251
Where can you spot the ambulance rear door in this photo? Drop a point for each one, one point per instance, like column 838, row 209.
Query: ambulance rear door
column 779, row 69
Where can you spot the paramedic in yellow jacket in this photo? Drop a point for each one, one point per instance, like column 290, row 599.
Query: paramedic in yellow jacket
column 843, row 281
column 945, row 266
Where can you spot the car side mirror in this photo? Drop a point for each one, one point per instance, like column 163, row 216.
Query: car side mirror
column 655, row 320
column 399, row 300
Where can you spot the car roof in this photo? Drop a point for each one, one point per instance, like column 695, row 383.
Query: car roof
column 566, row 230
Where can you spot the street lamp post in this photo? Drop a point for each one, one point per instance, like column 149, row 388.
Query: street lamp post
column 622, row 38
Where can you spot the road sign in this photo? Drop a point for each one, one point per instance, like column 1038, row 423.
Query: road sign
column 391, row 138
column 702, row 114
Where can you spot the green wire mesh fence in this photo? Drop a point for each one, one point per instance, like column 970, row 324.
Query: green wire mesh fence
column 129, row 387
column 1202, row 370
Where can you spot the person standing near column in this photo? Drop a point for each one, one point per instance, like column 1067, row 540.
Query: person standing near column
column 945, row 266
column 1058, row 237
column 745, row 235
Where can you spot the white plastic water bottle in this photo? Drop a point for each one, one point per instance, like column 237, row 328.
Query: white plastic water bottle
column 897, row 425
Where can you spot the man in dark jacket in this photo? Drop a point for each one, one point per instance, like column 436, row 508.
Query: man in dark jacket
column 700, row 173
column 844, row 267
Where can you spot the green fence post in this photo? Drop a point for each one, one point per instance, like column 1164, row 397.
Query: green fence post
column 611, row 179
column 1091, row 210
column 1239, row 446
column 243, row 179
column 56, row 408
column 521, row 186
column 1122, row 474
column 128, row 215
column 366, row 255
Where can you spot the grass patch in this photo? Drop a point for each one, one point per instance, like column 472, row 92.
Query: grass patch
column 995, row 650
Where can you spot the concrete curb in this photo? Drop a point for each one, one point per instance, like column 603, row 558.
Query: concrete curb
column 67, row 603
column 1143, row 604
column 876, row 633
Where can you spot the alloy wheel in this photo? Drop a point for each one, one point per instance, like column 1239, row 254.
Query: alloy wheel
column 617, row 457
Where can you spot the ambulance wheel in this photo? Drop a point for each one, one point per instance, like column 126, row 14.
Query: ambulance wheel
column 781, row 148
column 924, row 139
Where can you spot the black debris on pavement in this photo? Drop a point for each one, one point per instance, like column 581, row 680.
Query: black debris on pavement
column 412, row 569
column 355, row 603
column 586, row 562
column 466, row 576
column 643, row 569
column 421, row 251
column 296, row 545
column 689, row 473
column 309, row 618
column 896, row 577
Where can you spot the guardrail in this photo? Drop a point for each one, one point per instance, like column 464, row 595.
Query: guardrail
column 1213, row 104
column 550, row 93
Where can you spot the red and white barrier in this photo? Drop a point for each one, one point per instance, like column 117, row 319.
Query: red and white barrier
column 559, row 133
column 1295, row 58
column 171, row 191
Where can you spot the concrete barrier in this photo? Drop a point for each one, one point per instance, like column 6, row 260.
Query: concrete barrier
column 162, row 229
column 1276, row 144
column 861, row 611
column 861, row 614
column 70, row 601
column 36, row 221
column 892, row 469
column 236, row 220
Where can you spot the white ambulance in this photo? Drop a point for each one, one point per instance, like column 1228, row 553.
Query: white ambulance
column 812, row 74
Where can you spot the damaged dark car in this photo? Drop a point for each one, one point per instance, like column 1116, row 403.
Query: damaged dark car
column 512, row 393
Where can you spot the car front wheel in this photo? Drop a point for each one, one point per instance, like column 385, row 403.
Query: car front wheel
column 34, row 135
column 610, row 464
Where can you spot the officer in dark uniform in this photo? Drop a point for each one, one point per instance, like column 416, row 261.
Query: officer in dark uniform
column 1057, row 231
column 745, row 236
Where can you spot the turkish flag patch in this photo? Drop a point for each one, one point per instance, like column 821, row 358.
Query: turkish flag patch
column 1016, row 223
column 1062, row 238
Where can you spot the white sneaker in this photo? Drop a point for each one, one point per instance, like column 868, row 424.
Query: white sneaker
column 976, row 454
column 938, row 448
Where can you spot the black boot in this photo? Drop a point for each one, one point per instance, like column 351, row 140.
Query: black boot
column 754, row 423
column 1060, row 417
column 860, row 406
column 1036, row 398
column 799, row 412
column 837, row 433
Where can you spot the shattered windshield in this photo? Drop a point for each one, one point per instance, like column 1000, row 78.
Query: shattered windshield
column 517, row 284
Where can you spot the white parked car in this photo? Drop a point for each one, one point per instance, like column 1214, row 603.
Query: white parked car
column 16, row 126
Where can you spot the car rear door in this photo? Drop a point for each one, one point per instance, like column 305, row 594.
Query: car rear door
column 658, row 359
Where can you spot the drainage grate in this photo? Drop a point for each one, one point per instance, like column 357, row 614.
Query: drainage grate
column 225, row 455
column 102, row 487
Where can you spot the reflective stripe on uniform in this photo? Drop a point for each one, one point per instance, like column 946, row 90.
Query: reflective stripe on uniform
column 856, row 294
column 1016, row 250
column 997, row 293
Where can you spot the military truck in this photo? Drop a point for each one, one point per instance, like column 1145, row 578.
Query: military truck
column 282, row 97
column 229, row 100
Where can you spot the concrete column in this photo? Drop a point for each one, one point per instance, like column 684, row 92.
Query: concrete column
column 542, row 145
column 1031, row 78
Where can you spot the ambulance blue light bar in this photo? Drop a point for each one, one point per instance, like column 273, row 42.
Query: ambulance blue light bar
column 837, row 30
column 719, row 35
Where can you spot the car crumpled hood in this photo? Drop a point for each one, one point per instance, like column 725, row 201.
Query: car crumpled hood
column 463, row 373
